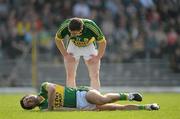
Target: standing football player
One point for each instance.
(84, 39)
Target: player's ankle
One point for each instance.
(123, 96)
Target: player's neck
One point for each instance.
(41, 99)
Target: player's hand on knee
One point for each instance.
(94, 59)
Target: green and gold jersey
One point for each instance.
(91, 33)
(64, 96)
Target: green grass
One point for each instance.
(169, 102)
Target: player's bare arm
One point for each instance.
(51, 95)
(101, 49)
(60, 45)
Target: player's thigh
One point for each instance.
(74, 50)
(88, 51)
(95, 97)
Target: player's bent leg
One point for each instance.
(94, 74)
(95, 97)
(71, 68)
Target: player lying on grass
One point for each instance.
(58, 97)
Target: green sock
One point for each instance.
(142, 107)
(123, 96)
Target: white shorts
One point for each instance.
(86, 52)
(82, 103)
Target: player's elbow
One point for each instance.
(51, 89)
(56, 39)
(102, 43)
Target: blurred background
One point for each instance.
(143, 42)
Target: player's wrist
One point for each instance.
(99, 56)
(65, 54)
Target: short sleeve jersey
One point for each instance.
(64, 96)
(91, 33)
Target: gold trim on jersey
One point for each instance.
(59, 97)
(83, 43)
(57, 38)
(102, 40)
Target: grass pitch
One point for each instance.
(169, 103)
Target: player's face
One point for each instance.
(30, 101)
(76, 33)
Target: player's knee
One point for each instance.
(94, 97)
(94, 75)
(102, 100)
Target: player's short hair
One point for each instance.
(75, 24)
(22, 104)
